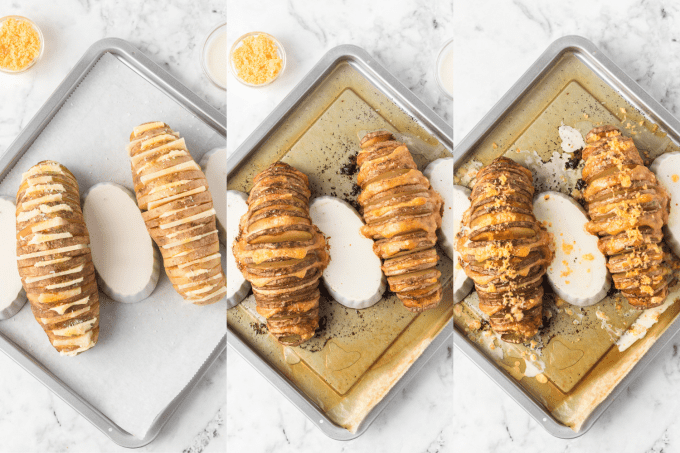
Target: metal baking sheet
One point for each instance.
(575, 84)
(381, 348)
(156, 76)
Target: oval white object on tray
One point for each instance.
(440, 174)
(237, 286)
(214, 165)
(462, 284)
(128, 265)
(353, 277)
(12, 294)
(667, 170)
(578, 273)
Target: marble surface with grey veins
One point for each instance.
(404, 36)
(493, 47)
(171, 33)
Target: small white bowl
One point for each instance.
(221, 28)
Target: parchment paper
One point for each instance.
(147, 352)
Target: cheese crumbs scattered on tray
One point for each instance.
(19, 44)
(257, 60)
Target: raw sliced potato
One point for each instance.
(440, 174)
(12, 294)
(237, 286)
(462, 284)
(578, 273)
(128, 265)
(214, 164)
(54, 258)
(353, 277)
(178, 210)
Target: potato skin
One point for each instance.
(54, 259)
(282, 254)
(628, 208)
(177, 209)
(402, 214)
(505, 250)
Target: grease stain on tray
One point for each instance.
(338, 359)
(562, 356)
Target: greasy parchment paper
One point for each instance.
(356, 356)
(147, 352)
(574, 362)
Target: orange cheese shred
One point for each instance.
(257, 61)
(19, 44)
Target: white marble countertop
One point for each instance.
(171, 33)
(404, 36)
(493, 47)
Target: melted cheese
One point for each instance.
(76, 330)
(50, 262)
(53, 252)
(223, 289)
(43, 168)
(61, 309)
(200, 260)
(155, 204)
(65, 284)
(66, 317)
(50, 298)
(168, 186)
(186, 241)
(48, 224)
(39, 201)
(41, 238)
(201, 215)
(190, 165)
(75, 270)
(45, 188)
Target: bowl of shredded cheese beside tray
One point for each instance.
(257, 59)
(21, 44)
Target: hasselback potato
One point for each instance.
(402, 214)
(282, 254)
(178, 211)
(627, 209)
(504, 250)
(54, 259)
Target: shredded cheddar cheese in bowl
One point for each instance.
(21, 44)
(257, 59)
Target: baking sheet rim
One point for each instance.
(611, 74)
